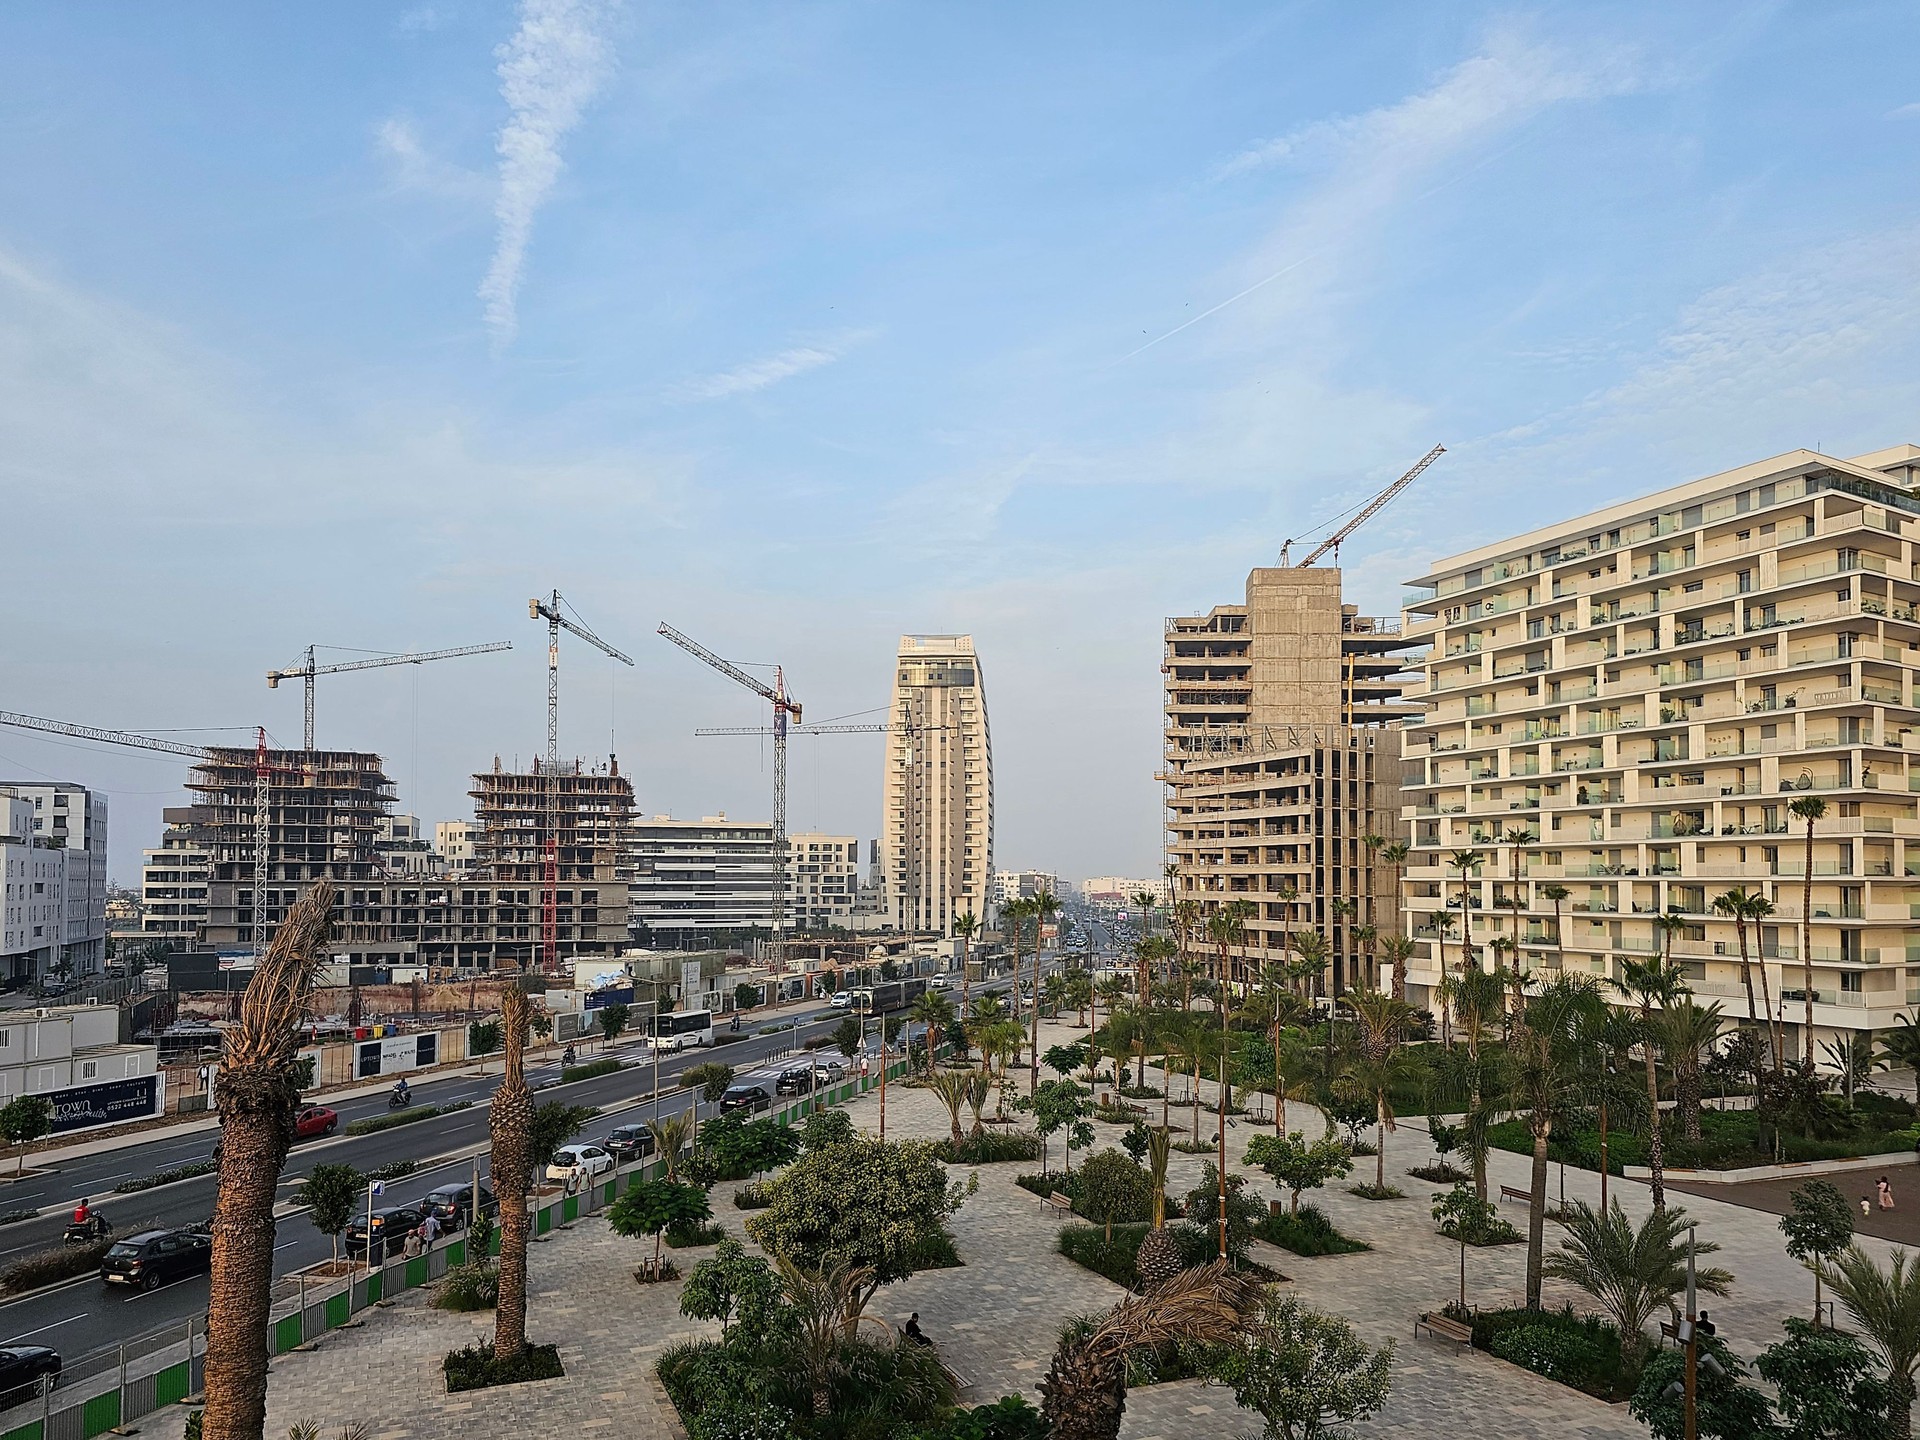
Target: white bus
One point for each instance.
(683, 1030)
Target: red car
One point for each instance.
(315, 1120)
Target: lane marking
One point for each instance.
(170, 1285)
(54, 1326)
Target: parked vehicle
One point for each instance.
(391, 1226)
(627, 1143)
(23, 1364)
(751, 1096)
(795, 1080)
(579, 1163)
(315, 1120)
(452, 1205)
(828, 1072)
(157, 1257)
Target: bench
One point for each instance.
(1058, 1203)
(1441, 1328)
(1508, 1192)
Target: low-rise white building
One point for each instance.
(72, 1055)
(55, 916)
(453, 842)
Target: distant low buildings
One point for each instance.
(1024, 885)
(72, 1056)
(710, 882)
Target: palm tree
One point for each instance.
(825, 1305)
(979, 1085)
(1045, 907)
(510, 1119)
(1685, 1030)
(1013, 914)
(1733, 905)
(1665, 928)
(1085, 1393)
(934, 1011)
(1885, 1304)
(1632, 1273)
(1159, 1255)
(1366, 937)
(1147, 946)
(1464, 863)
(964, 926)
(1544, 1061)
(671, 1136)
(1378, 1063)
(951, 1088)
(1396, 950)
(1556, 895)
(1227, 928)
(1809, 808)
(1395, 855)
(257, 1093)
(1648, 983)
(1312, 948)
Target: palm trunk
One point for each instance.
(1380, 1146)
(510, 1117)
(1806, 946)
(1537, 1213)
(1686, 1088)
(1746, 967)
(1656, 1145)
(1399, 964)
(1776, 1042)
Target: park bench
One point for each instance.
(1441, 1328)
(1509, 1192)
(1058, 1203)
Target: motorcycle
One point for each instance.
(90, 1231)
(567, 1056)
(399, 1099)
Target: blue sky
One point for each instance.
(803, 325)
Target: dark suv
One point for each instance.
(157, 1257)
(749, 1097)
(452, 1205)
(627, 1143)
(795, 1080)
(391, 1227)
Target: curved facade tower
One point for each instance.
(938, 844)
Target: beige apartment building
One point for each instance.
(938, 837)
(1626, 704)
(1280, 763)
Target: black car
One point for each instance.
(23, 1364)
(452, 1205)
(157, 1257)
(627, 1143)
(795, 1080)
(391, 1226)
(750, 1097)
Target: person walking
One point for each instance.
(1885, 1192)
(430, 1229)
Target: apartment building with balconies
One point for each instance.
(1628, 703)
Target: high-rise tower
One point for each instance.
(938, 844)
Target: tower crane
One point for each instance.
(306, 670)
(549, 611)
(263, 771)
(1367, 512)
(785, 707)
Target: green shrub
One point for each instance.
(468, 1287)
(1308, 1232)
(412, 1115)
(1569, 1356)
(592, 1070)
(936, 1252)
(44, 1267)
(393, 1170)
(684, 1237)
(1592, 1355)
(166, 1177)
(474, 1368)
(1087, 1246)
(755, 1195)
(992, 1147)
(1011, 1417)
(1377, 1192)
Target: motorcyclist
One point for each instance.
(401, 1091)
(567, 1056)
(83, 1213)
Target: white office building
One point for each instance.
(55, 905)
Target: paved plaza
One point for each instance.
(995, 1318)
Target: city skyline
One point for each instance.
(831, 326)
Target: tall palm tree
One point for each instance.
(1733, 905)
(1373, 845)
(257, 1093)
(1464, 863)
(1556, 896)
(1184, 915)
(1227, 928)
(934, 1011)
(1378, 1063)
(1885, 1304)
(1314, 952)
(1665, 928)
(1045, 907)
(1013, 914)
(1809, 808)
(1649, 983)
(1366, 937)
(1544, 1061)
(1395, 854)
(964, 926)
(1686, 1029)
(1084, 1395)
(1632, 1273)
(1396, 950)
(510, 1118)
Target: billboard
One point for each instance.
(85, 1106)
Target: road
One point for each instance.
(85, 1315)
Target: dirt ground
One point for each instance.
(1900, 1224)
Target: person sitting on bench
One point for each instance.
(913, 1331)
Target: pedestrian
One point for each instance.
(1866, 1207)
(1886, 1193)
(430, 1229)
(414, 1246)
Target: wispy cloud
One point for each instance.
(415, 168)
(419, 19)
(771, 370)
(549, 71)
(1903, 112)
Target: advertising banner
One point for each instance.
(88, 1105)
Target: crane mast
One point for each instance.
(549, 611)
(1368, 511)
(306, 670)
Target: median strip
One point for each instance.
(412, 1115)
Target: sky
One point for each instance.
(804, 325)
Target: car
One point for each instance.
(749, 1096)
(579, 1162)
(23, 1364)
(157, 1257)
(629, 1142)
(795, 1080)
(315, 1120)
(829, 1072)
(391, 1226)
(938, 982)
(452, 1205)
(841, 999)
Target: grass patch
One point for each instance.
(474, 1368)
(166, 1177)
(1140, 1092)
(1189, 1147)
(45, 1267)
(688, 1237)
(592, 1070)
(1377, 1192)
(991, 1147)
(1309, 1232)
(468, 1287)
(412, 1115)
(1730, 1139)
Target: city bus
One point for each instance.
(683, 1030)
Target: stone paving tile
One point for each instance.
(996, 1318)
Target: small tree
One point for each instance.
(23, 1120)
(732, 1287)
(1059, 1105)
(711, 1079)
(1291, 1161)
(613, 1020)
(850, 1036)
(1826, 1385)
(1724, 1408)
(1818, 1227)
(1137, 1141)
(554, 1124)
(539, 1022)
(1351, 1113)
(1063, 1060)
(330, 1193)
(483, 1039)
(1306, 1375)
(1112, 1187)
(746, 996)
(1243, 1210)
(654, 1206)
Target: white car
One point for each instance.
(579, 1163)
(841, 1000)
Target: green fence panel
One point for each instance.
(286, 1333)
(171, 1385)
(542, 1221)
(416, 1271)
(101, 1413)
(376, 1286)
(339, 1310)
(457, 1253)
(570, 1207)
(493, 1245)
(28, 1431)
(612, 1189)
